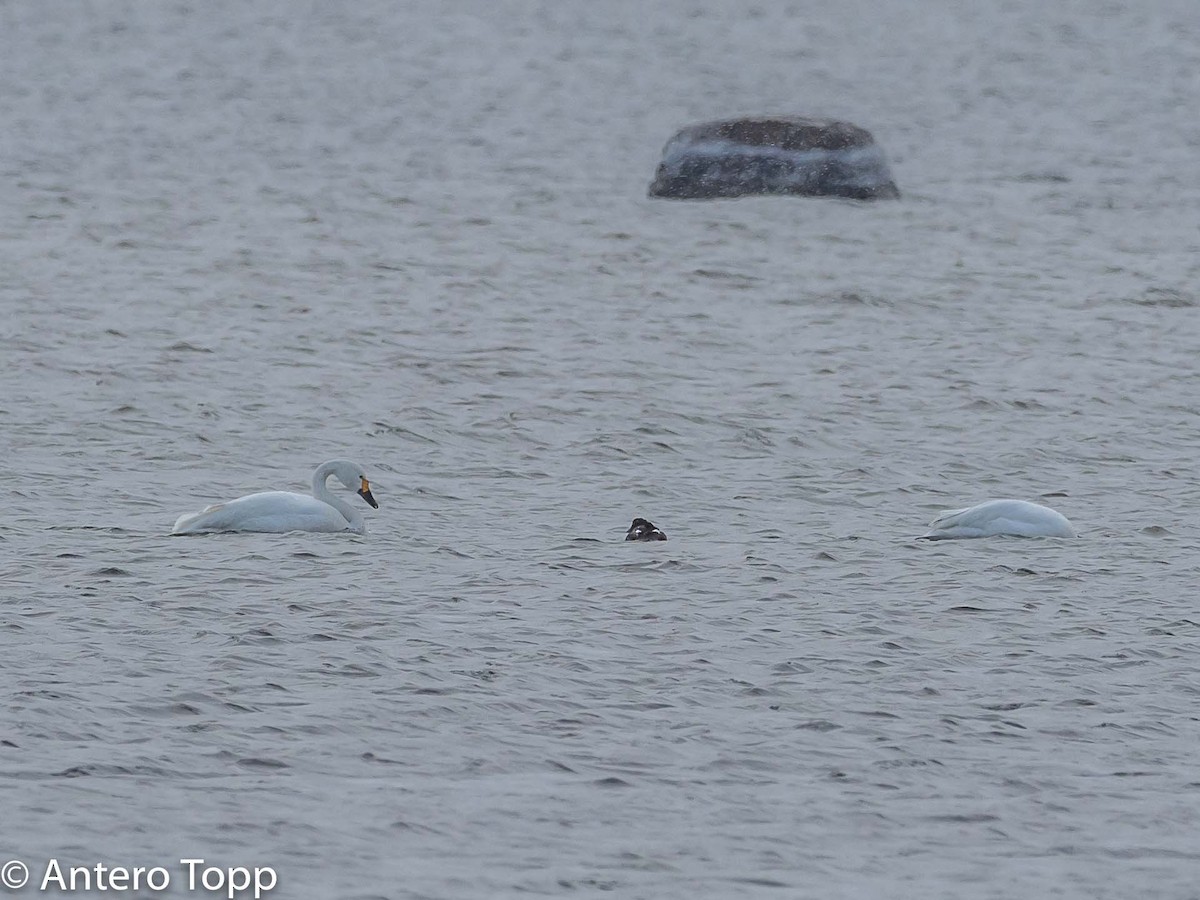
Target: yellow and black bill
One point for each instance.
(365, 493)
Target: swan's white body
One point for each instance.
(997, 517)
(281, 511)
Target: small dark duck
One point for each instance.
(645, 530)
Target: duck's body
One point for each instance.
(1000, 517)
(281, 511)
(645, 530)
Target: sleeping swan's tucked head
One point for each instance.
(281, 511)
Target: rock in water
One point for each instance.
(738, 157)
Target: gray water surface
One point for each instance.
(240, 239)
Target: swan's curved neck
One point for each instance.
(322, 493)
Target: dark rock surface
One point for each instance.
(740, 157)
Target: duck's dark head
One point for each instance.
(644, 530)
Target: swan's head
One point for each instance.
(353, 477)
(645, 530)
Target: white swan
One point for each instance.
(996, 517)
(280, 511)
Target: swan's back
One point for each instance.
(271, 511)
(1000, 517)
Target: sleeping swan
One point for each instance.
(995, 517)
(280, 511)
